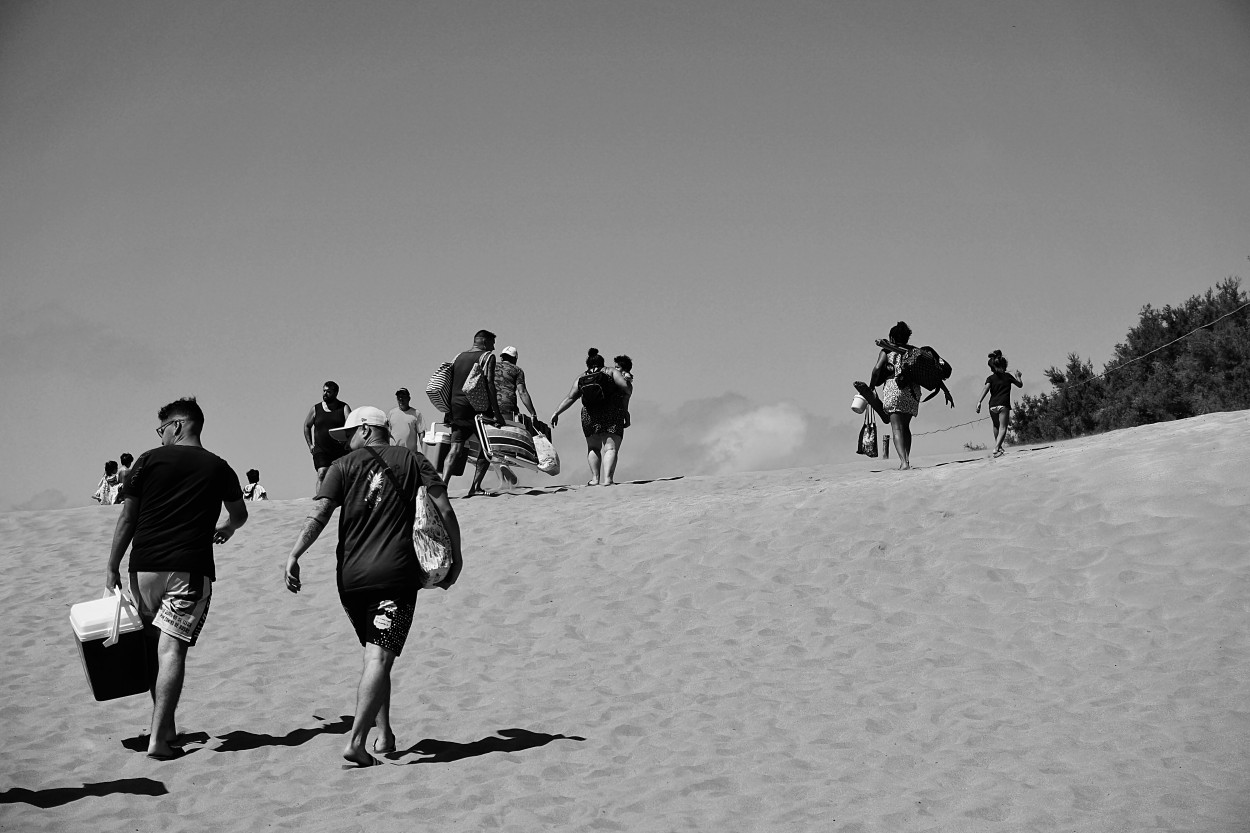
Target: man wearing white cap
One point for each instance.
(378, 573)
(510, 386)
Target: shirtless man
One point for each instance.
(326, 415)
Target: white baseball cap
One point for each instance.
(508, 351)
(366, 415)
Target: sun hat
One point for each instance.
(508, 351)
(366, 415)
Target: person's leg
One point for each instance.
(479, 474)
(321, 473)
(896, 431)
(1001, 420)
(594, 446)
(907, 437)
(453, 450)
(372, 694)
(611, 446)
(385, 741)
(171, 654)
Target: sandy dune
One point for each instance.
(1053, 641)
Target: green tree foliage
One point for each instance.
(1177, 362)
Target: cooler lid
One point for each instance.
(94, 619)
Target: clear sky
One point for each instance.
(241, 200)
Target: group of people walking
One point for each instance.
(604, 394)
(901, 402)
(112, 483)
(169, 522)
(371, 468)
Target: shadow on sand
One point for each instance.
(241, 741)
(59, 796)
(430, 751)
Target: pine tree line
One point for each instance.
(1177, 362)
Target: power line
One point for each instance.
(1108, 370)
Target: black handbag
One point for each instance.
(868, 436)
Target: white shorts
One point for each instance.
(177, 603)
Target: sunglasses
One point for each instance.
(160, 432)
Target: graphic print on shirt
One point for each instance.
(373, 492)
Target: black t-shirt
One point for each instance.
(375, 549)
(180, 489)
(462, 411)
(1000, 389)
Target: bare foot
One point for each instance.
(592, 483)
(384, 744)
(165, 751)
(359, 757)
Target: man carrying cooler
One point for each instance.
(174, 495)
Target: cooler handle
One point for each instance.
(115, 631)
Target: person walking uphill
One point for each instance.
(378, 572)
(603, 394)
(169, 521)
(900, 401)
(998, 386)
(330, 412)
(463, 411)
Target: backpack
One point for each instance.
(922, 366)
(597, 389)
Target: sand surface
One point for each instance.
(1052, 641)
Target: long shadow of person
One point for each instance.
(59, 796)
(239, 741)
(430, 751)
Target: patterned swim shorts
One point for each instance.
(380, 619)
(177, 603)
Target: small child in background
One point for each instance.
(126, 460)
(107, 489)
(253, 490)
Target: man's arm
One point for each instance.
(123, 534)
(523, 394)
(488, 368)
(316, 521)
(236, 516)
(308, 427)
(438, 494)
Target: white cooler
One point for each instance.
(118, 670)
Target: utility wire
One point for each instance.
(1108, 370)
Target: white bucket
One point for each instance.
(859, 404)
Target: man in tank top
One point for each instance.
(326, 415)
